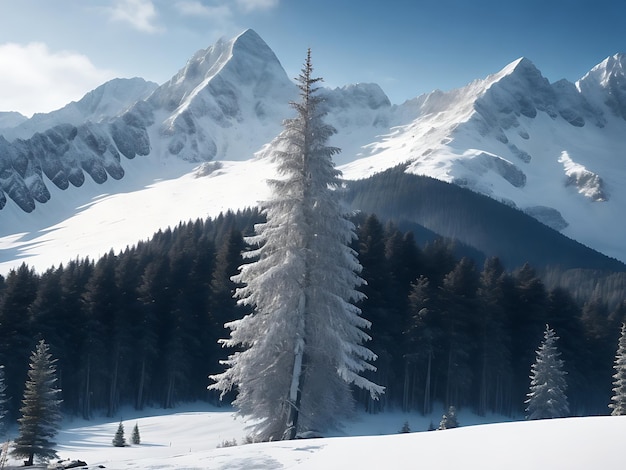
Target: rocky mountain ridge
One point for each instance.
(552, 150)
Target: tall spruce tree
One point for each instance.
(618, 400)
(547, 398)
(302, 346)
(40, 409)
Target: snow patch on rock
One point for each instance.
(588, 183)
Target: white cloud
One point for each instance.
(140, 14)
(251, 5)
(222, 9)
(196, 8)
(35, 79)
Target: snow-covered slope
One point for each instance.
(153, 195)
(201, 438)
(552, 150)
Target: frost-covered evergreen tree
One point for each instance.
(547, 398)
(302, 346)
(40, 409)
(618, 399)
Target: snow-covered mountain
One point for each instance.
(109, 100)
(553, 150)
(223, 104)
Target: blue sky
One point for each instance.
(52, 52)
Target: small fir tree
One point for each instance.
(119, 440)
(448, 420)
(547, 398)
(136, 438)
(618, 399)
(40, 409)
(405, 427)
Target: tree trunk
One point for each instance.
(405, 391)
(295, 391)
(482, 398)
(427, 403)
(142, 379)
(87, 392)
(170, 391)
(113, 388)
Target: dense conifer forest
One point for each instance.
(140, 327)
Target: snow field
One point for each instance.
(189, 438)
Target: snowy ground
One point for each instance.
(191, 437)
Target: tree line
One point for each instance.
(137, 327)
(141, 327)
(448, 330)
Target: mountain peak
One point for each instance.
(243, 54)
(517, 89)
(219, 88)
(251, 49)
(605, 84)
(523, 63)
(612, 66)
(522, 68)
(249, 37)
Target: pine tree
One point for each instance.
(119, 440)
(40, 409)
(547, 398)
(618, 399)
(303, 344)
(136, 438)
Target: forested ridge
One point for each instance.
(476, 220)
(141, 326)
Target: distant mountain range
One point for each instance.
(552, 150)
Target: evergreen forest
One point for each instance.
(141, 327)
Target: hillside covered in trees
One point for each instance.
(140, 327)
(491, 227)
